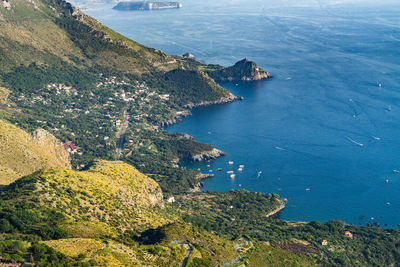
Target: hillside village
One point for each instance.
(66, 107)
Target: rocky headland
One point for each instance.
(212, 154)
(146, 5)
(230, 98)
(243, 70)
(201, 177)
(277, 210)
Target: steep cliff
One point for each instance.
(22, 154)
(243, 70)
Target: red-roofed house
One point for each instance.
(348, 234)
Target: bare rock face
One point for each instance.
(22, 153)
(58, 156)
(213, 154)
(243, 70)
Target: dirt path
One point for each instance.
(121, 134)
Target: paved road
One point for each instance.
(188, 248)
(189, 251)
(95, 253)
(121, 134)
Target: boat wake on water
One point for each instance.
(355, 142)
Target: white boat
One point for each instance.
(241, 166)
(208, 166)
(240, 169)
(380, 85)
(230, 162)
(232, 176)
(210, 170)
(259, 173)
(229, 172)
(308, 189)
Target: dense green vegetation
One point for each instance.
(33, 77)
(236, 213)
(230, 214)
(264, 255)
(179, 83)
(25, 214)
(211, 250)
(18, 251)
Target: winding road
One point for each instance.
(121, 134)
(96, 252)
(189, 251)
(231, 263)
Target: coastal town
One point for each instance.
(96, 114)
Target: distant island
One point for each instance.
(146, 5)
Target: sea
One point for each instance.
(324, 132)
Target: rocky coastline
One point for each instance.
(243, 70)
(147, 5)
(277, 210)
(200, 178)
(230, 98)
(206, 155)
(178, 118)
(180, 115)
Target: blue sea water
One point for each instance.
(322, 132)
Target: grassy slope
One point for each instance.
(21, 153)
(113, 193)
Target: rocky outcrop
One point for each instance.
(178, 118)
(22, 153)
(277, 210)
(213, 154)
(243, 70)
(223, 100)
(146, 5)
(201, 177)
(188, 56)
(53, 148)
